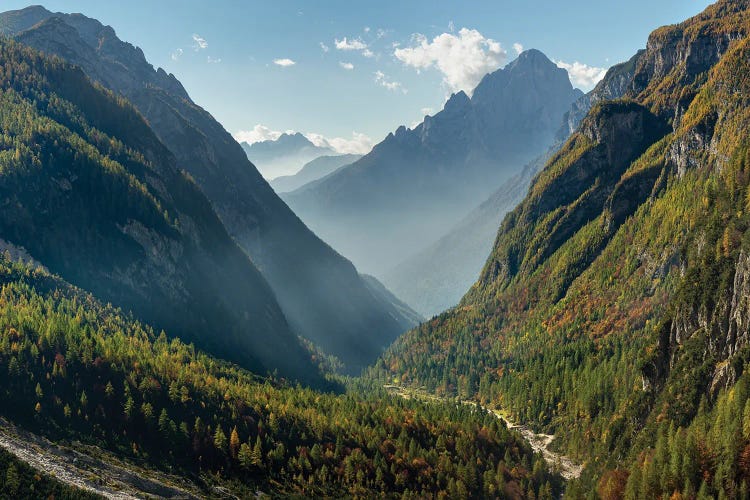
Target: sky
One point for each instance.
(348, 72)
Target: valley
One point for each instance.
(427, 261)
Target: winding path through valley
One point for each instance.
(539, 442)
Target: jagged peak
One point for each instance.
(533, 55)
(531, 58)
(34, 9)
(457, 100)
(529, 62)
(17, 20)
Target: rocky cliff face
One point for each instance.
(321, 294)
(615, 84)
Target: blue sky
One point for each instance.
(395, 59)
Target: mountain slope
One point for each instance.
(89, 191)
(80, 371)
(320, 293)
(312, 171)
(613, 308)
(416, 183)
(283, 156)
(436, 278)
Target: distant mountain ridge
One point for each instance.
(436, 278)
(312, 171)
(283, 156)
(321, 294)
(416, 184)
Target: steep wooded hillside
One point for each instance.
(612, 310)
(89, 191)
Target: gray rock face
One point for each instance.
(321, 294)
(417, 184)
(615, 84)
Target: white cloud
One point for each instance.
(346, 65)
(284, 63)
(426, 111)
(259, 133)
(200, 42)
(324, 47)
(582, 75)
(211, 60)
(358, 144)
(463, 60)
(382, 80)
(367, 29)
(354, 44)
(176, 55)
(451, 26)
(518, 47)
(380, 33)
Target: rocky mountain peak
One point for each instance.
(17, 20)
(458, 100)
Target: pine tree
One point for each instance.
(12, 480)
(257, 455)
(220, 440)
(109, 390)
(128, 408)
(164, 422)
(234, 443)
(245, 456)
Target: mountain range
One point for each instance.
(321, 294)
(283, 156)
(312, 171)
(417, 184)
